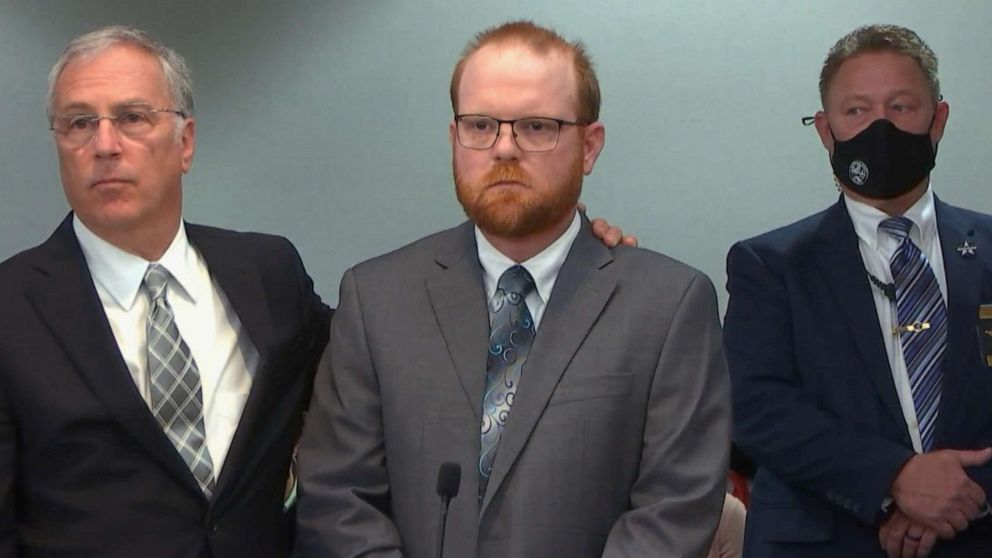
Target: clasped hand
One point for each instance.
(934, 498)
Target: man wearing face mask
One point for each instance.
(859, 338)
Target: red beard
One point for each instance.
(518, 212)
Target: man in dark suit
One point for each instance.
(152, 373)
(857, 337)
(585, 404)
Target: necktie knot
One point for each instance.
(516, 282)
(897, 226)
(156, 279)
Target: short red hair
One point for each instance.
(541, 40)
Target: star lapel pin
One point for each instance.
(967, 249)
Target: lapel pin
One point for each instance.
(967, 249)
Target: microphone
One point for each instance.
(449, 477)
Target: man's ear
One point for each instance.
(593, 139)
(940, 115)
(823, 130)
(188, 141)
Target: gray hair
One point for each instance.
(881, 38)
(177, 74)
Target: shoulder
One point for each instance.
(238, 240)
(649, 280)
(796, 235)
(23, 261)
(642, 265)
(230, 254)
(268, 253)
(983, 221)
(423, 255)
(61, 246)
(19, 271)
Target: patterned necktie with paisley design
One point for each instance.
(511, 334)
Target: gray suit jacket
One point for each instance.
(616, 445)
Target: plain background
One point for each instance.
(326, 122)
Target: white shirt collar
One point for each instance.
(543, 267)
(866, 219)
(120, 273)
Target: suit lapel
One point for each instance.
(840, 270)
(458, 298)
(963, 277)
(240, 282)
(66, 300)
(580, 294)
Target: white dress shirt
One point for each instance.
(877, 248)
(225, 357)
(543, 267)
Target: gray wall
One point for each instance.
(327, 121)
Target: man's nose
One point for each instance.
(506, 144)
(106, 140)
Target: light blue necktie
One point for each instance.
(176, 395)
(922, 325)
(511, 334)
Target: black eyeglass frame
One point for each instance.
(513, 130)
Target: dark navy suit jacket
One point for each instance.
(814, 400)
(86, 471)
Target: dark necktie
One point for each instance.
(922, 327)
(511, 334)
(176, 396)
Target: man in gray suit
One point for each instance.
(616, 441)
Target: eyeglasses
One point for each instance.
(533, 133)
(133, 122)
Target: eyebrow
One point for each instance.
(866, 97)
(84, 107)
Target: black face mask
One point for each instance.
(883, 162)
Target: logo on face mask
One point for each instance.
(858, 172)
(897, 160)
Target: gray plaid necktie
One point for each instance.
(511, 334)
(176, 396)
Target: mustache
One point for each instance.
(507, 172)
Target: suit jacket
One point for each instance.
(85, 470)
(617, 441)
(814, 400)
